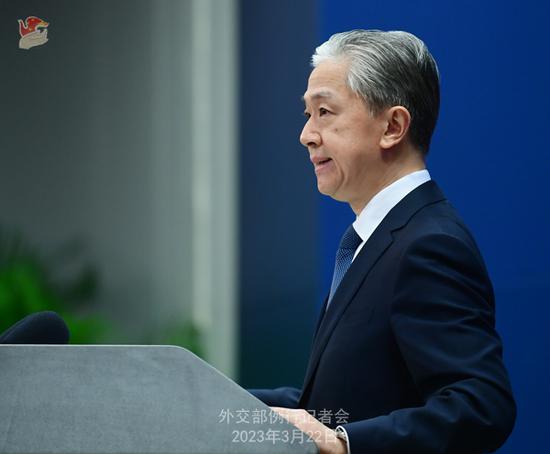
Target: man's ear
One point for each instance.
(398, 121)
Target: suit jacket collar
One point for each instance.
(426, 194)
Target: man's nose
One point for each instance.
(310, 136)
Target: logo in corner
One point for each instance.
(33, 32)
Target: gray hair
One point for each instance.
(389, 69)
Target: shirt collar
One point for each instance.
(381, 204)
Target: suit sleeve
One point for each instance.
(443, 322)
(280, 397)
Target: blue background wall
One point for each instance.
(489, 154)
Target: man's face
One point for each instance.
(341, 135)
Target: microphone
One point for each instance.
(39, 328)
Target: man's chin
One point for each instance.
(329, 191)
(323, 189)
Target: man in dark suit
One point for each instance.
(405, 356)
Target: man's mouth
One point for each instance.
(321, 164)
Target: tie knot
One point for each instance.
(350, 239)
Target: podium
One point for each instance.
(71, 399)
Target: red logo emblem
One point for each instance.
(33, 32)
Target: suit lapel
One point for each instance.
(373, 249)
(320, 318)
(358, 271)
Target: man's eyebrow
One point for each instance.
(319, 95)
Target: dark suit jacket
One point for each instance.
(408, 345)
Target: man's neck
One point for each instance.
(389, 176)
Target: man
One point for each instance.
(406, 344)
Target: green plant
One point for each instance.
(31, 282)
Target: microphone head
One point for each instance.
(39, 328)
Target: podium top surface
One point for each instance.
(131, 399)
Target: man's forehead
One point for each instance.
(328, 80)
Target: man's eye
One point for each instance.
(322, 111)
(307, 115)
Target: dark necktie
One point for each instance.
(348, 244)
